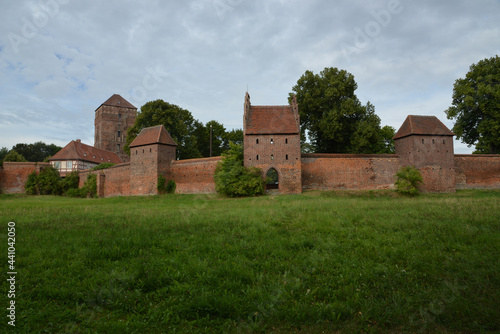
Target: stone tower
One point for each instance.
(151, 154)
(112, 120)
(426, 143)
(271, 142)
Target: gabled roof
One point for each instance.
(76, 150)
(271, 120)
(422, 125)
(153, 135)
(117, 101)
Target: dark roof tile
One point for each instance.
(153, 135)
(422, 125)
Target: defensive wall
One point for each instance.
(348, 171)
(319, 172)
(13, 175)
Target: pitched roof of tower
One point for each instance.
(76, 150)
(153, 135)
(271, 120)
(422, 125)
(117, 101)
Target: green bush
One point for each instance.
(71, 181)
(407, 180)
(171, 186)
(47, 182)
(235, 180)
(103, 165)
(161, 187)
(89, 188)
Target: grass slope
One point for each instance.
(319, 262)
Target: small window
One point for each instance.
(272, 157)
(118, 147)
(84, 154)
(135, 152)
(93, 157)
(422, 141)
(119, 133)
(433, 141)
(257, 141)
(444, 141)
(150, 150)
(286, 140)
(257, 157)
(142, 150)
(102, 158)
(286, 157)
(272, 141)
(119, 116)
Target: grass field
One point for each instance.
(333, 262)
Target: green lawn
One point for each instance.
(327, 262)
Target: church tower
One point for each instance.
(112, 120)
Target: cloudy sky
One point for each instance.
(60, 59)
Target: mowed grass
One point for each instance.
(332, 262)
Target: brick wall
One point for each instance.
(194, 176)
(113, 181)
(348, 171)
(475, 171)
(15, 174)
(278, 151)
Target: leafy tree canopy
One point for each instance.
(36, 152)
(14, 156)
(476, 106)
(333, 116)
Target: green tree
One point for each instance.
(37, 152)
(179, 123)
(333, 116)
(476, 106)
(219, 138)
(407, 180)
(235, 180)
(235, 136)
(13, 156)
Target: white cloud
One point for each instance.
(53, 80)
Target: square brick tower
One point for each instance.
(151, 154)
(112, 120)
(271, 142)
(426, 143)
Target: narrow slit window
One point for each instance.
(257, 141)
(272, 141)
(422, 141)
(272, 157)
(257, 158)
(286, 140)
(286, 157)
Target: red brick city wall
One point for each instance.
(15, 175)
(348, 171)
(194, 176)
(475, 171)
(115, 181)
(144, 170)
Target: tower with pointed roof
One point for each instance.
(271, 142)
(151, 154)
(426, 143)
(112, 120)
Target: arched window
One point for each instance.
(257, 157)
(286, 157)
(272, 141)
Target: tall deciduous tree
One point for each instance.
(333, 116)
(476, 106)
(178, 121)
(13, 156)
(36, 152)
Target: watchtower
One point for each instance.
(151, 154)
(112, 120)
(271, 142)
(426, 143)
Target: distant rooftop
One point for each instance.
(76, 150)
(117, 101)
